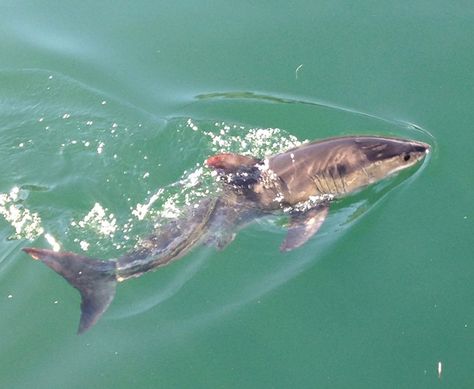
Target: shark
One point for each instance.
(301, 182)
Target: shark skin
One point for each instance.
(302, 182)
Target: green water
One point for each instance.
(105, 105)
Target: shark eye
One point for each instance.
(406, 157)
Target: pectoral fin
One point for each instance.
(303, 225)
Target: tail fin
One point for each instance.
(95, 280)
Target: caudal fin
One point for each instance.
(94, 279)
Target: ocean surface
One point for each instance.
(108, 111)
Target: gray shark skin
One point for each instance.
(300, 182)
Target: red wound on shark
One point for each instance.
(230, 162)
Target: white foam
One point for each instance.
(52, 241)
(141, 210)
(27, 224)
(99, 221)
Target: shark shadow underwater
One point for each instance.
(300, 182)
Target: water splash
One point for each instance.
(26, 224)
(259, 142)
(200, 182)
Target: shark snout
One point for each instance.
(422, 147)
(420, 150)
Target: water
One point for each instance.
(107, 112)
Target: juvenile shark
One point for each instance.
(300, 182)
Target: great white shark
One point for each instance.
(301, 182)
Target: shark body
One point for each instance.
(302, 182)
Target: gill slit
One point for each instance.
(333, 181)
(318, 183)
(365, 172)
(342, 180)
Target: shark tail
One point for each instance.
(94, 279)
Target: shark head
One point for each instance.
(386, 156)
(372, 159)
(340, 166)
